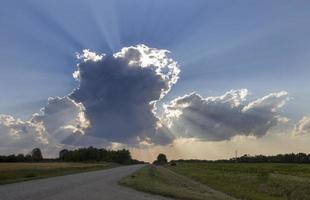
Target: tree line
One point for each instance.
(93, 154)
(34, 156)
(279, 158)
(90, 154)
(123, 156)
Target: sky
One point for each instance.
(192, 79)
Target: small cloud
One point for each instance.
(303, 126)
(87, 55)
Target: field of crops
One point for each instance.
(263, 181)
(14, 172)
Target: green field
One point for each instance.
(160, 180)
(252, 181)
(15, 172)
(191, 181)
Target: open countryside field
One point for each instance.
(162, 181)
(200, 180)
(15, 172)
(264, 181)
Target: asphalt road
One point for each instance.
(97, 185)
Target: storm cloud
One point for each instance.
(120, 92)
(222, 117)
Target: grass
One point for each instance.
(15, 172)
(252, 181)
(159, 180)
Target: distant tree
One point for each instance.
(36, 154)
(161, 159)
(63, 153)
(173, 163)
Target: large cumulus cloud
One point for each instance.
(115, 105)
(222, 117)
(120, 92)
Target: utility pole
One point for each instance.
(236, 155)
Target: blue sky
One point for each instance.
(260, 45)
(263, 46)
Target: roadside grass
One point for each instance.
(16, 172)
(265, 181)
(161, 181)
